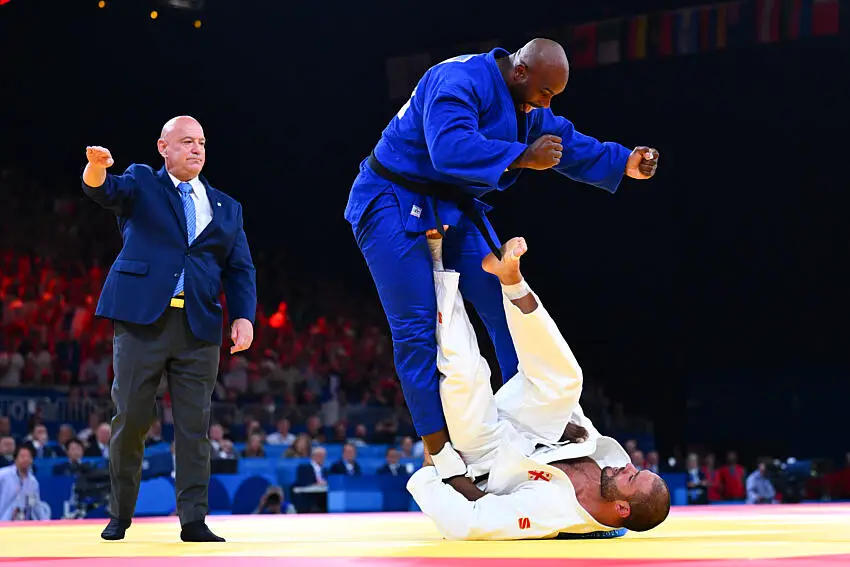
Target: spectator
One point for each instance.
(407, 448)
(712, 477)
(20, 497)
(38, 441)
(360, 435)
(759, 487)
(100, 446)
(638, 460)
(154, 434)
(731, 478)
(311, 475)
(393, 465)
(5, 427)
(302, 447)
(75, 465)
(630, 446)
(87, 435)
(348, 464)
(697, 483)
(314, 429)
(282, 436)
(339, 433)
(7, 451)
(66, 433)
(216, 434)
(254, 448)
(227, 451)
(653, 462)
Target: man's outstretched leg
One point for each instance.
(541, 398)
(467, 397)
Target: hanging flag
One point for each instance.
(767, 21)
(708, 26)
(582, 46)
(721, 18)
(686, 31)
(790, 18)
(608, 41)
(637, 37)
(738, 16)
(825, 17)
(663, 33)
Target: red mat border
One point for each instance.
(311, 561)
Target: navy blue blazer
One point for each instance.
(142, 279)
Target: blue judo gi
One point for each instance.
(459, 128)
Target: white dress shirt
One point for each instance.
(203, 209)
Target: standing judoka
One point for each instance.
(471, 126)
(530, 481)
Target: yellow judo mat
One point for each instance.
(792, 535)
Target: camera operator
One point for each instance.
(272, 502)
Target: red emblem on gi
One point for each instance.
(539, 475)
(524, 523)
(439, 317)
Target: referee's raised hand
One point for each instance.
(99, 157)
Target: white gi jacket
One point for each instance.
(511, 435)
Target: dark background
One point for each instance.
(712, 299)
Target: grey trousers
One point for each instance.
(140, 355)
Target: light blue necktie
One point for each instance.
(189, 211)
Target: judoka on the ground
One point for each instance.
(525, 481)
(471, 126)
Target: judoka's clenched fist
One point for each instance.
(99, 157)
(545, 152)
(642, 163)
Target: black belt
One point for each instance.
(441, 191)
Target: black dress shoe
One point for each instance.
(198, 531)
(115, 529)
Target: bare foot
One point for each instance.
(506, 269)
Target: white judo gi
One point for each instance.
(512, 435)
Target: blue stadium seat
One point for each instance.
(248, 494)
(219, 498)
(156, 498)
(257, 465)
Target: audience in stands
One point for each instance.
(74, 465)
(19, 490)
(393, 465)
(732, 478)
(712, 477)
(38, 442)
(302, 447)
(347, 465)
(282, 436)
(7, 451)
(696, 483)
(311, 475)
(759, 487)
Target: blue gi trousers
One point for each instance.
(402, 267)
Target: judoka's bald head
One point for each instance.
(536, 73)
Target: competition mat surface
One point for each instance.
(807, 535)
